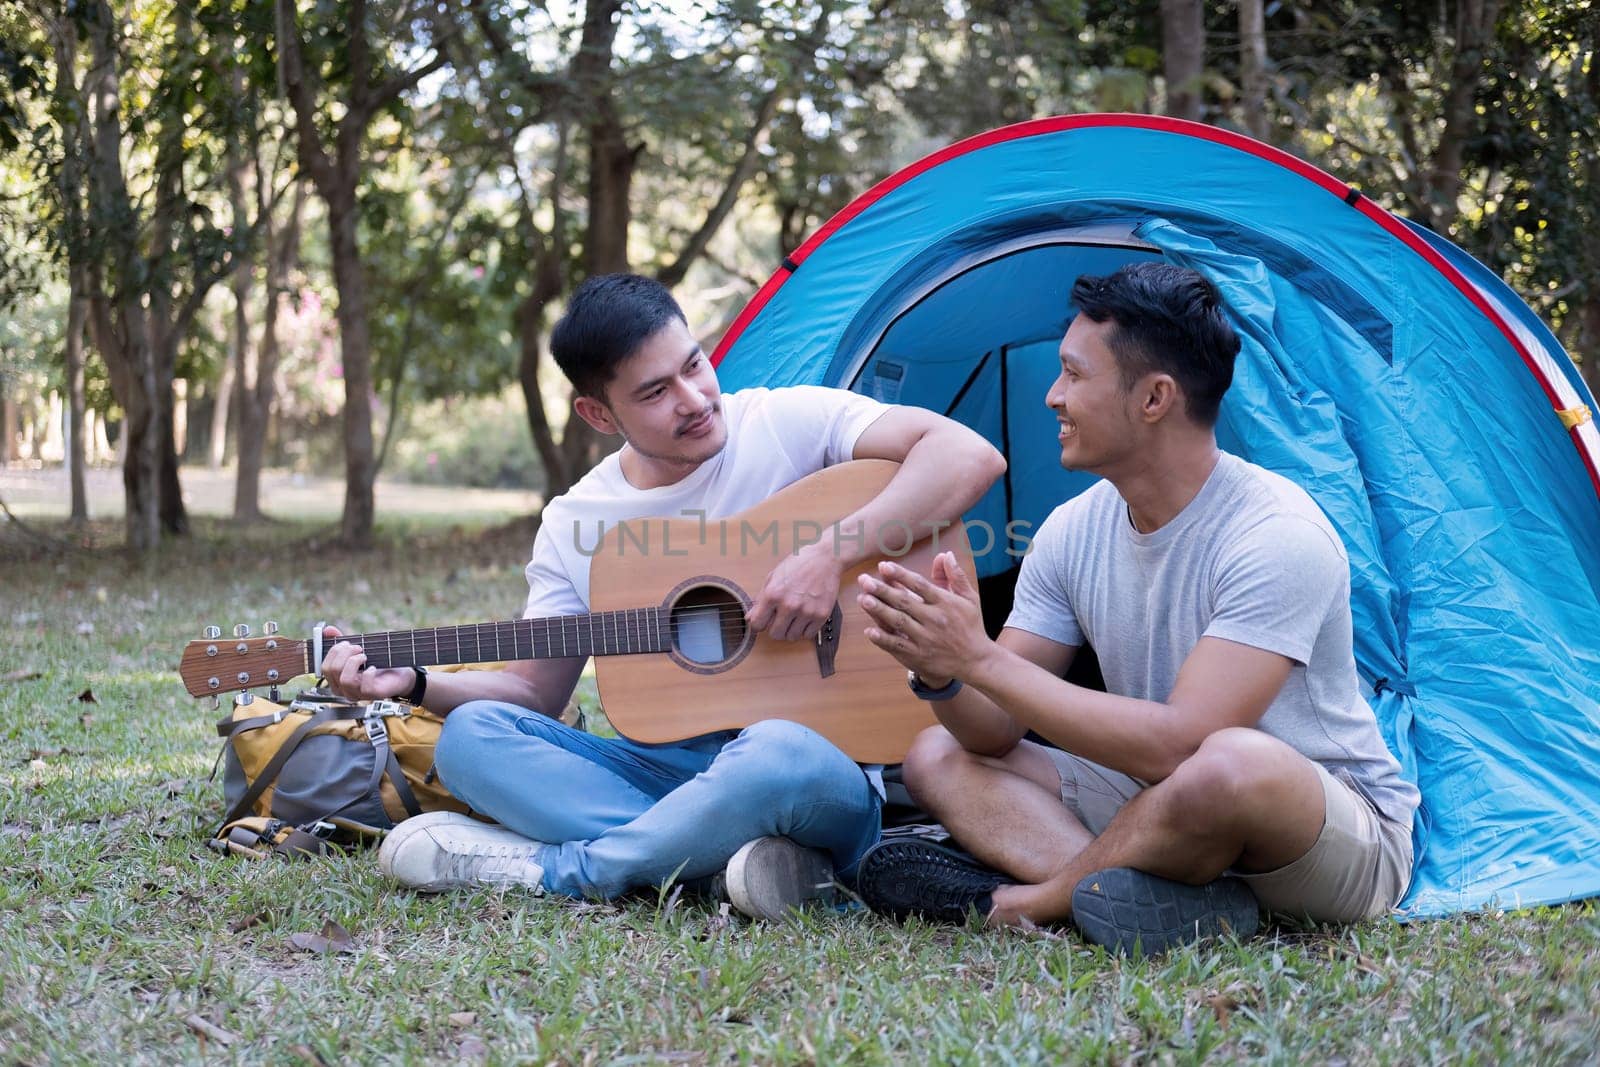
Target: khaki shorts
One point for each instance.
(1358, 869)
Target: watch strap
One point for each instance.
(927, 692)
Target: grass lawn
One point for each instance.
(123, 939)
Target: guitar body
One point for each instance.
(853, 693)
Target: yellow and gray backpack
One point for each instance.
(322, 772)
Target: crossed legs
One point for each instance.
(617, 815)
(1244, 801)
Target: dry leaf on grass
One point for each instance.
(334, 938)
(205, 1028)
(1222, 1006)
(240, 925)
(23, 675)
(463, 1018)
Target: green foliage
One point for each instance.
(23, 58)
(1539, 151)
(480, 442)
(440, 325)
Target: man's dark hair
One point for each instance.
(1169, 320)
(606, 321)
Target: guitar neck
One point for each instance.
(603, 633)
(226, 665)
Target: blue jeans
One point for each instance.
(619, 815)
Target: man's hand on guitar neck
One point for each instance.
(799, 595)
(344, 669)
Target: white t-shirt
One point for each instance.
(1251, 559)
(775, 438)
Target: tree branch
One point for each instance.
(719, 211)
(546, 91)
(1402, 115)
(313, 154)
(400, 83)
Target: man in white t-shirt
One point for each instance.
(1233, 760)
(775, 808)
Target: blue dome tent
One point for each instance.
(1423, 405)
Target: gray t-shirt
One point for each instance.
(1251, 559)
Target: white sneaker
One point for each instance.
(446, 850)
(771, 876)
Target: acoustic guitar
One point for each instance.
(674, 657)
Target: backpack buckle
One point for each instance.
(385, 709)
(377, 733)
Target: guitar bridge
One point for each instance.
(828, 641)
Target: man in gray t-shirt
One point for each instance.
(1232, 762)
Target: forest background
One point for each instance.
(332, 237)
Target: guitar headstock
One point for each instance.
(216, 664)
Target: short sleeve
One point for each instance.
(819, 426)
(1042, 603)
(1273, 590)
(550, 587)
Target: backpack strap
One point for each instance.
(297, 841)
(229, 726)
(272, 837)
(384, 759)
(397, 778)
(270, 772)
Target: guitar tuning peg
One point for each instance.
(216, 703)
(269, 628)
(241, 630)
(211, 633)
(244, 699)
(275, 695)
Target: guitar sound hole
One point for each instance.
(708, 625)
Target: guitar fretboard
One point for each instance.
(602, 633)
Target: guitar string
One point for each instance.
(629, 631)
(623, 630)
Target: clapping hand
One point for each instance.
(932, 626)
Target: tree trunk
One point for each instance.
(70, 116)
(1590, 367)
(77, 313)
(611, 159)
(128, 343)
(1253, 67)
(350, 277)
(1183, 53)
(611, 165)
(8, 425)
(258, 382)
(164, 353)
(337, 177)
(1474, 29)
(225, 397)
(530, 319)
(231, 384)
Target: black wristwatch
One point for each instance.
(944, 692)
(419, 688)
